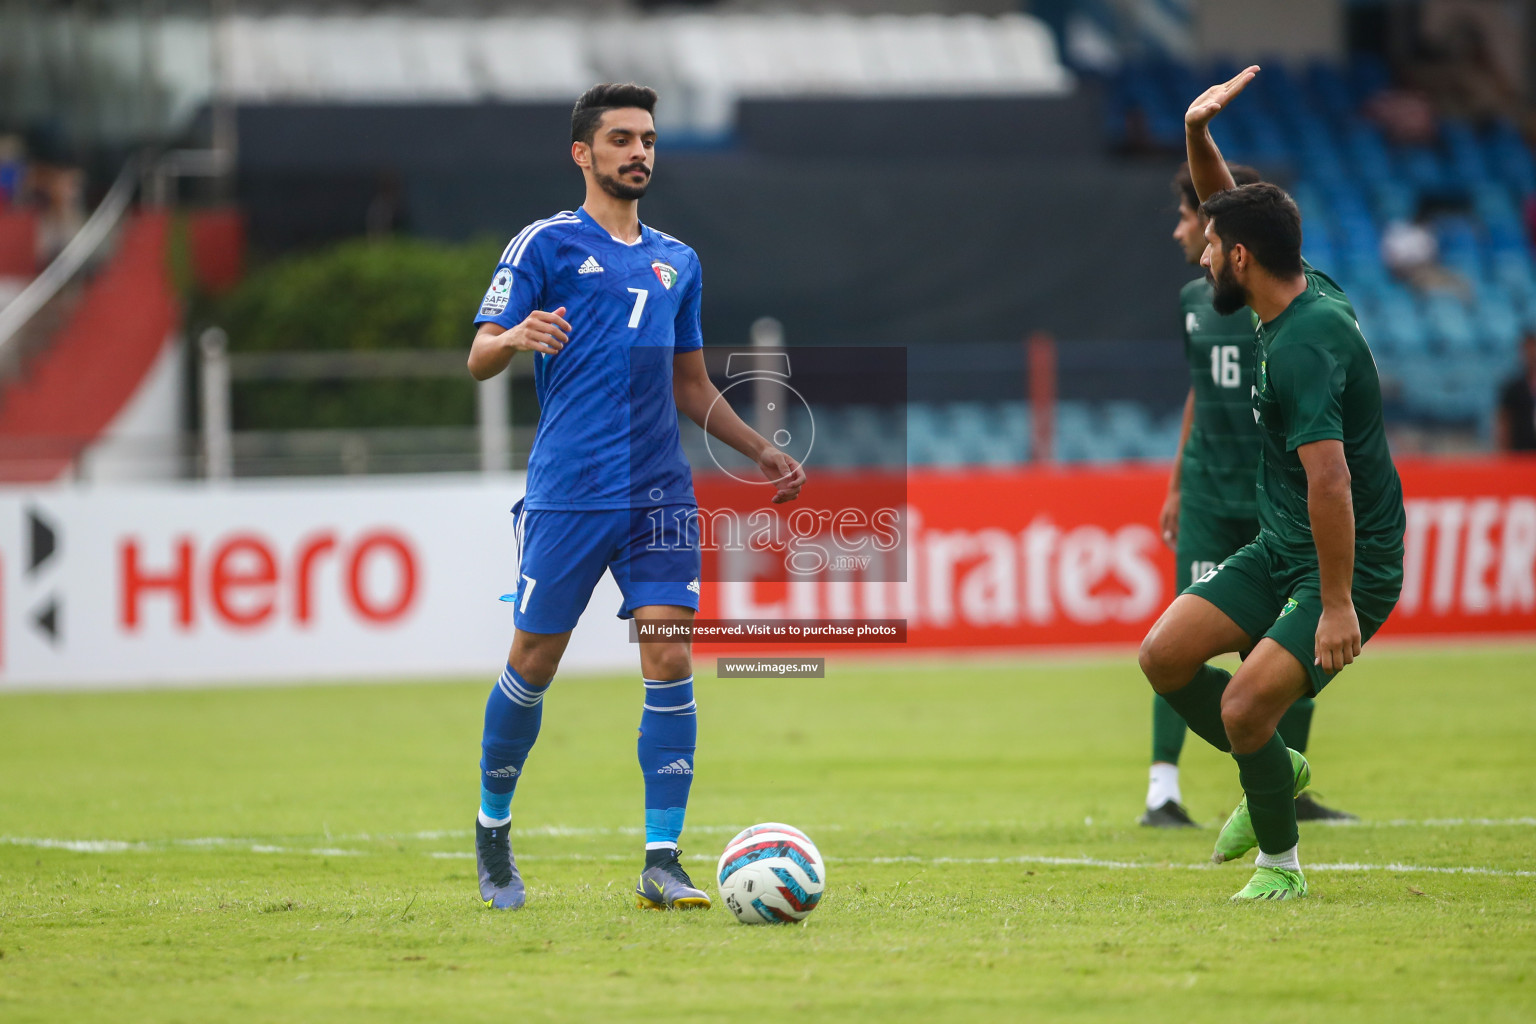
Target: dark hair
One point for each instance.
(1262, 219)
(600, 99)
(1184, 185)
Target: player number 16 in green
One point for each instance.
(1226, 365)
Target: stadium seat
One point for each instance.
(1076, 435)
(531, 58)
(438, 54)
(1015, 425)
(1450, 323)
(1130, 429)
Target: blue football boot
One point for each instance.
(667, 887)
(501, 887)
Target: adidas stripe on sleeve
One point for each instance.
(517, 286)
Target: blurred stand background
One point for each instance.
(309, 200)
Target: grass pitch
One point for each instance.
(304, 854)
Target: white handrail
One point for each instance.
(14, 316)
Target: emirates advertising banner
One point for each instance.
(1033, 557)
(404, 578)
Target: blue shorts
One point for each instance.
(562, 555)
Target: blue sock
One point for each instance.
(669, 730)
(512, 716)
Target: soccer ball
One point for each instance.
(771, 873)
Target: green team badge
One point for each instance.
(666, 273)
(1290, 606)
(1263, 375)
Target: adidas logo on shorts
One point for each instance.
(590, 267)
(694, 586)
(678, 767)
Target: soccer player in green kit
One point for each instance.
(1210, 511)
(1327, 566)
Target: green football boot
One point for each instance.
(1237, 837)
(1273, 884)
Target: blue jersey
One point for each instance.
(607, 435)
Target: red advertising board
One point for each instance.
(1071, 556)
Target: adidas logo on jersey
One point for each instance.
(590, 267)
(509, 772)
(694, 586)
(678, 767)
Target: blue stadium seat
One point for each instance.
(1492, 203)
(871, 435)
(1328, 88)
(1499, 325)
(1394, 199)
(1369, 153)
(1318, 251)
(1450, 323)
(1077, 433)
(975, 427)
(1423, 168)
(926, 438)
(1128, 425)
(1015, 425)
(1309, 198)
(1467, 160)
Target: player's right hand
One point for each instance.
(1211, 102)
(540, 332)
(1338, 638)
(1168, 521)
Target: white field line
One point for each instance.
(1084, 862)
(573, 831)
(633, 830)
(120, 846)
(563, 831)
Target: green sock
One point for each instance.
(1270, 782)
(1199, 704)
(1167, 731)
(1296, 724)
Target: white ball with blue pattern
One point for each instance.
(771, 874)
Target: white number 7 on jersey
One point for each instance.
(634, 315)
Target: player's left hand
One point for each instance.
(1168, 521)
(1211, 102)
(1338, 638)
(784, 473)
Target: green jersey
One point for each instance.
(1219, 470)
(1317, 381)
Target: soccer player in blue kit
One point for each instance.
(610, 310)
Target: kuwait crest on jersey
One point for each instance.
(666, 273)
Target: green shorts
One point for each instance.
(1205, 541)
(1269, 595)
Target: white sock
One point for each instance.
(1287, 860)
(1163, 785)
(488, 823)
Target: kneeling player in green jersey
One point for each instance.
(1210, 511)
(1327, 566)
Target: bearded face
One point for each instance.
(1230, 296)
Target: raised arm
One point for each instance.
(1207, 169)
(699, 400)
